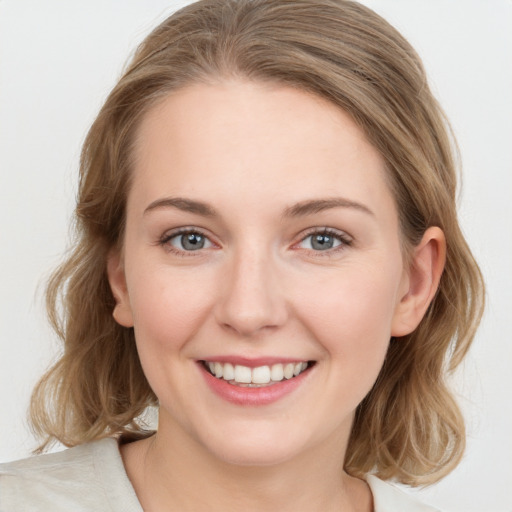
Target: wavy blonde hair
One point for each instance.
(409, 426)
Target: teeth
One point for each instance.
(277, 373)
(288, 371)
(242, 374)
(260, 375)
(228, 372)
(218, 370)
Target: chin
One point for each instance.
(256, 447)
(254, 455)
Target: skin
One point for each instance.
(252, 152)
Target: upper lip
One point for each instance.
(253, 362)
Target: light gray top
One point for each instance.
(91, 477)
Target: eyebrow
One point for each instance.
(186, 205)
(319, 205)
(300, 209)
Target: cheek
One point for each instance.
(350, 314)
(168, 307)
(351, 320)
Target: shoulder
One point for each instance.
(389, 498)
(87, 477)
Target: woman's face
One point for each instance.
(261, 239)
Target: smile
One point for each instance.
(248, 383)
(241, 375)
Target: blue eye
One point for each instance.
(323, 241)
(189, 241)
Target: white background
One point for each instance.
(58, 60)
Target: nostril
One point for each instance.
(247, 307)
(249, 327)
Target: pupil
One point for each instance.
(322, 242)
(192, 241)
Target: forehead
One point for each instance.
(246, 142)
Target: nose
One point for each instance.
(251, 300)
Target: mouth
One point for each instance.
(256, 377)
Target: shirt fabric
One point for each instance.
(91, 477)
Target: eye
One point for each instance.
(187, 241)
(324, 240)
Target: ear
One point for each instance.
(420, 282)
(116, 277)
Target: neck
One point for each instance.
(171, 471)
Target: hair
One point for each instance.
(409, 426)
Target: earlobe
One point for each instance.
(423, 276)
(116, 277)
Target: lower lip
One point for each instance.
(264, 395)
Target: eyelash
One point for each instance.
(345, 240)
(167, 237)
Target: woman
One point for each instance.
(268, 251)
